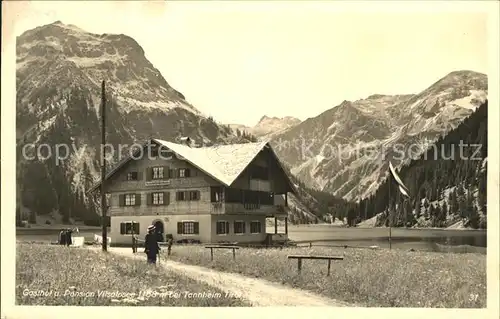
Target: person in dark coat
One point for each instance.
(134, 243)
(62, 237)
(69, 240)
(151, 247)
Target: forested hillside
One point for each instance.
(319, 203)
(447, 183)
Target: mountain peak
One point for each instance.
(118, 59)
(287, 119)
(265, 117)
(465, 73)
(460, 80)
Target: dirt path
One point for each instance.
(256, 291)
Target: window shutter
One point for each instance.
(122, 228)
(196, 228)
(179, 228)
(136, 228)
(243, 224)
(149, 199)
(227, 227)
(187, 172)
(149, 173)
(166, 198)
(122, 200)
(138, 199)
(166, 172)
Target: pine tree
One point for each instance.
(462, 202)
(474, 217)
(482, 192)
(436, 218)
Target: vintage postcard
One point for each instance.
(172, 155)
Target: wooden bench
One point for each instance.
(212, 247)
(300, 257)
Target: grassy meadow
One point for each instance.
(366, 277)
(57, 275)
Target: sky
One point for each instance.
(238, 61)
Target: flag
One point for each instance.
(402, 188)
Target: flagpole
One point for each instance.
(390, 220)
(404, 190)
(103, 169)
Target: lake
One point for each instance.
(451, 240)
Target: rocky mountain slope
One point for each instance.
(447, 184)
(268, 127)
(345, 150)
(59, 72)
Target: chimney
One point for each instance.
(186, 141)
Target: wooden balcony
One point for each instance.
(240, 208)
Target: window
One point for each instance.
(157, 172)
(216, 194)
(158, 199)
(129, 228)
(188, 228)
(132, 176)
(130, 200)
(239, 227)
(222, 227)
(194, 195)
(255, 227)
(187, 195)
(180, 196)
(182, 172)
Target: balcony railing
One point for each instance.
(240, 208)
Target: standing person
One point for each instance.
(62, 237)
(151, 247)
(170, 240)
(134, 243)
(68, 237)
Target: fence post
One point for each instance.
(234, 254)
(299, 264)
(211, 254)
(329, 264)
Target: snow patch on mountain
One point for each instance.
(268, 126)
(356, 139)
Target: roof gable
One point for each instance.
(224, 163)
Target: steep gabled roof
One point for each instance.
(224, 163)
